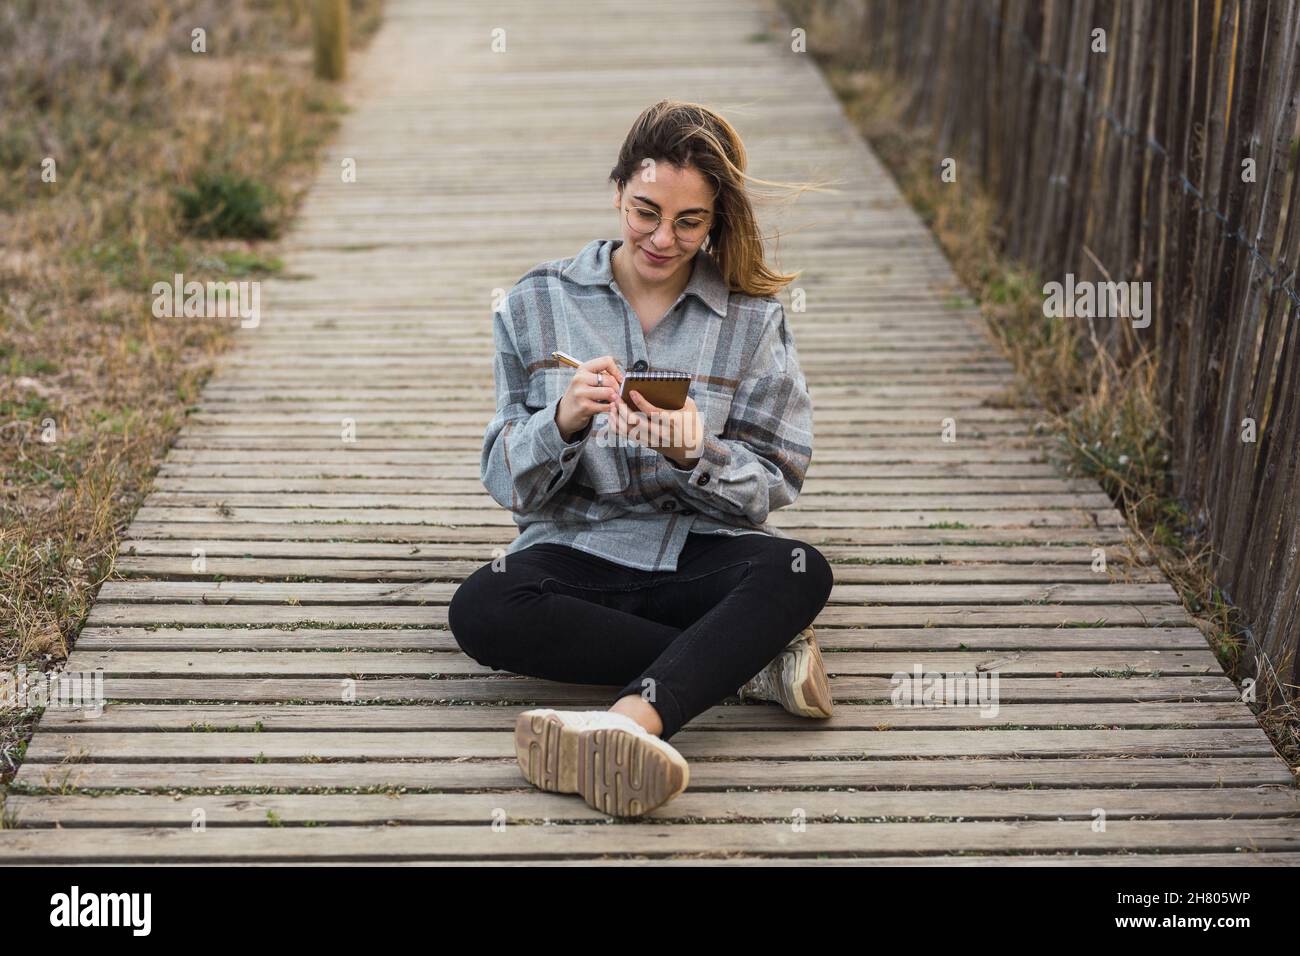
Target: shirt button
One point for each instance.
(640, 365)
(704, 479)
(668, 505)
(567, 456)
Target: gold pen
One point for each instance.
(567, 359)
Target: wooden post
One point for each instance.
(330, 38)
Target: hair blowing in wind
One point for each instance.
(688, 134)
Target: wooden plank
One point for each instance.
(503, 688)
(843, 557)
(224, 746)
(113, 810)
(1060, 538)
(182, 568)
(305, 662)
(975, 615)
(367, 843)
(831, 640)
(453, 775)
(440, 502)
(310, 717)
(384, 487)
(422, 593)
(939, 518)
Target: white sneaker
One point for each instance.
(618, 766)
(796, 679)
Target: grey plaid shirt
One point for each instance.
(624, 502)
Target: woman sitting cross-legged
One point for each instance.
(645, 558)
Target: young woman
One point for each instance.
(645, 559)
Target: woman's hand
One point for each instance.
(584, 399)
(677, 434)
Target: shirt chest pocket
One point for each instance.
(714, 406)
(547, 384)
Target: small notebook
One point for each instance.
(662, 388)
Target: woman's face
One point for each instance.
(673, 192)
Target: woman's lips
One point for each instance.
(657, 260)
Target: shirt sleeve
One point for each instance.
(525, 461)
(758, 463)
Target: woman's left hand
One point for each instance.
(677, 434)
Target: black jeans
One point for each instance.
(683, 639)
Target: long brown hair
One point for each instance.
(690, 135)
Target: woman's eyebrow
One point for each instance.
(650, 202)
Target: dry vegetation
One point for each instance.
(138, 125)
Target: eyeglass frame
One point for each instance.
(628, 210)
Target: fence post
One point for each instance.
(330, 38)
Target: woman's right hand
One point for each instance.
(583, 399)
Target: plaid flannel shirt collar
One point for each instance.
(592, 266)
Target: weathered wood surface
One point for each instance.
(329, 564)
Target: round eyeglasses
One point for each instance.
(644, 220)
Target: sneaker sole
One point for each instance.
(808, 692)
(616, 771)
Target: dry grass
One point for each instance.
(129, 114)
(1106, 420)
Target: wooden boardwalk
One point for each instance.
(329, 563)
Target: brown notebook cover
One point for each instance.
(662, 388)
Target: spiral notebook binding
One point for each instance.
(660, 375)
